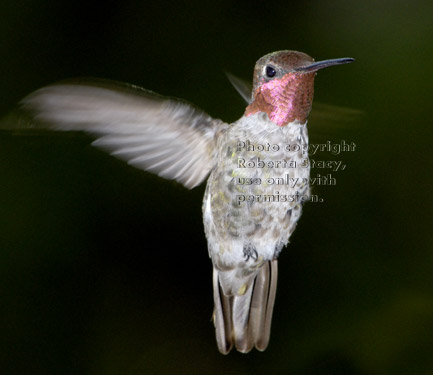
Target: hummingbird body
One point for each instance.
(256, 230)
(253, 197)
(244, 237)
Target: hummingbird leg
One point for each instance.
(250, 252)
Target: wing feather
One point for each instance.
(165, 136)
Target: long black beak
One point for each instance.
(324, 64)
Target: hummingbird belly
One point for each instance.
(254, 198)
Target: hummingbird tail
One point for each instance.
(245, 320)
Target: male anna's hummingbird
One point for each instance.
(248, 219)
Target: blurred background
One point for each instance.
(104, 268)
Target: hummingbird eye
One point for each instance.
(270, 71)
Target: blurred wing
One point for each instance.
(164, 136)
(324, 121)
(244, 88)
(331, 121)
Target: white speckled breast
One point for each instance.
(249, 230)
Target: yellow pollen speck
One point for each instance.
(242, 290)
(259, 262)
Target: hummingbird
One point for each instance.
(247, 219)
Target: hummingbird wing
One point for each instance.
(324, 121)
(243, 87)
(168, 137)
(328, 121)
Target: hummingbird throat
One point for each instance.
(285, 100)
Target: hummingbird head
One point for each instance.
(283, 85)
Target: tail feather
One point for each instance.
(245, 320)
(264, 332)
(259, 305)
(240, 316)
(223, 327)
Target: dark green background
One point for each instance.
(104, 268)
